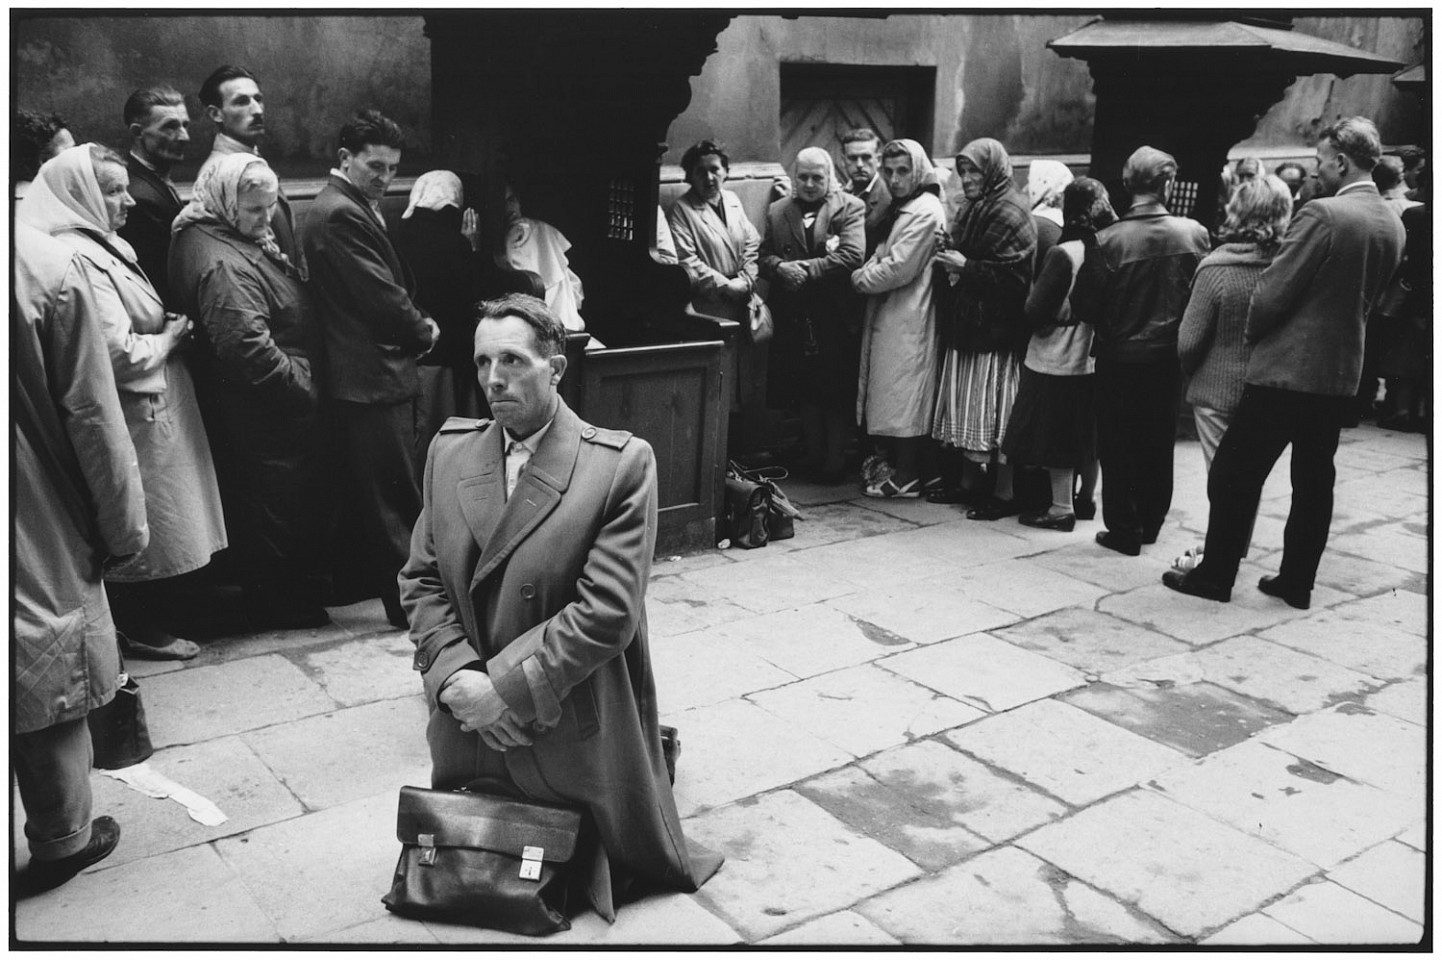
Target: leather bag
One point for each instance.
(761, 327)
(118, 729)
(755, 493)
(486, 860)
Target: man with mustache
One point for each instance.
(159, 128)
(232, 100)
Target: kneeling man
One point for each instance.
(525, 592)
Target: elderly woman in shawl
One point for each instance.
(438, 236)
(80, 197)
(989, 269)
(1045, 181)
(258, 342)
(896, 389)
(813, 241)
(1053, 422)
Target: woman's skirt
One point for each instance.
(974, 399)
(1053, 423)
(182, 499)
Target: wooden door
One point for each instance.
(820, 102)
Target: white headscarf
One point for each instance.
(66, 195)
(1045, 181)
(818, 155)
(435, 190)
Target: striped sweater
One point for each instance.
(1210, 342)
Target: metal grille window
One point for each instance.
(621, 210)
(1184, 198)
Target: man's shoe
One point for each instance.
(1149, 537)
(1120, 544)
(994, 508)
(1085, 509)
(1065, 522)
(1277, 587)
(42, 875)
(1194, 586)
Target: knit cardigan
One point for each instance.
(1211, 342)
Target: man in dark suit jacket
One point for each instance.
(526, 591)
(861, 149)
(1306, 326)
(159, 128)
(373, 333)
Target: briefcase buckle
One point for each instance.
(531, 858)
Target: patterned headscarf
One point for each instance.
(1045, 181)
(66, 195)
(215, 200)
(997, 226)
(433, 191)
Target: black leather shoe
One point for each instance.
(1149, 537)
(1193, 586)
(950, 495)
(1065, 522)
(1085, 509)
(994, 509)
(1120, 544)
(1277, 587)
(42, 875)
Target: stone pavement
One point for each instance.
(902, 727)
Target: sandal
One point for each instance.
(1188, 560)
(888, 490)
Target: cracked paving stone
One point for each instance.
(985, 672)
(1330, 914)
(1392, 874)
(1089, 641)
(1195, 718)
(1255, 930)
(1344, 739)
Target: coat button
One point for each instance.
(422, 661)
(589, 432)
(528, 591)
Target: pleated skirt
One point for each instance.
(974, 399)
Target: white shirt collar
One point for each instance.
(531, 443)
(1357, 185)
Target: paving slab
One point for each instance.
(922, 832)
(985, 672)
(389, 929)
(706, 667)
(1195, 718)
(865, 709)
(924, 612)
(1389, 544)
(946, 782)
(317, 758)
(294, 869)
(1291, 803)
(1269, 672)
(1374, 649)
(364, 670)
(1368, 460)
(1345, 740)
(1406, 701)
(1397, 502)
(788, 861)
(1363, 577)
(1085, 560)
(202, 703)
(1256, 930)
(921, 512)
(1333, 915)
(1197, 621)
(1005, 897)
(877, 563)
(694, 605)
(844, 928)
(811, 640)
(1190, 872)
(736, 749)
(675, 918)
(1092, 642)
(839, 522)
(1402, 609)
(224, 771)
(1415, 836)
(679, 563)
(1065, 751)
(1392, 874)
(1019, 586)
(185, 896)
(777, 582)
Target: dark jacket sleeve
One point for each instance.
(1046, 305)
(355, 262)
(849, 225)
(234, 312)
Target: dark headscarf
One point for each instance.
(1085, 209)
(997, 226)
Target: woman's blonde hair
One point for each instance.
(1258, 212)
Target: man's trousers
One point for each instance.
(1136, 439)
(52, 770)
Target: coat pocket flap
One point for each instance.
(476, 821)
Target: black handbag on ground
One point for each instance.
(746, 492)
(485, 860)
(118, 729)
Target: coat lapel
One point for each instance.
(823, 220)
(482, 495)
(795, 227)
(538, 491)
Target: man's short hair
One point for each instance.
(1357, 137)
(371, 128)
(1387, 174)
(860, 135)
(1411, 157)
(1291, 165)
(30, 133)
(704, 148)
(1148, 170)
(547, 329)
(141, 102)
(210, 89)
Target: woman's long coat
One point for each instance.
(896, 391)
(77, 489)
(545, 591)
(182, 498)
